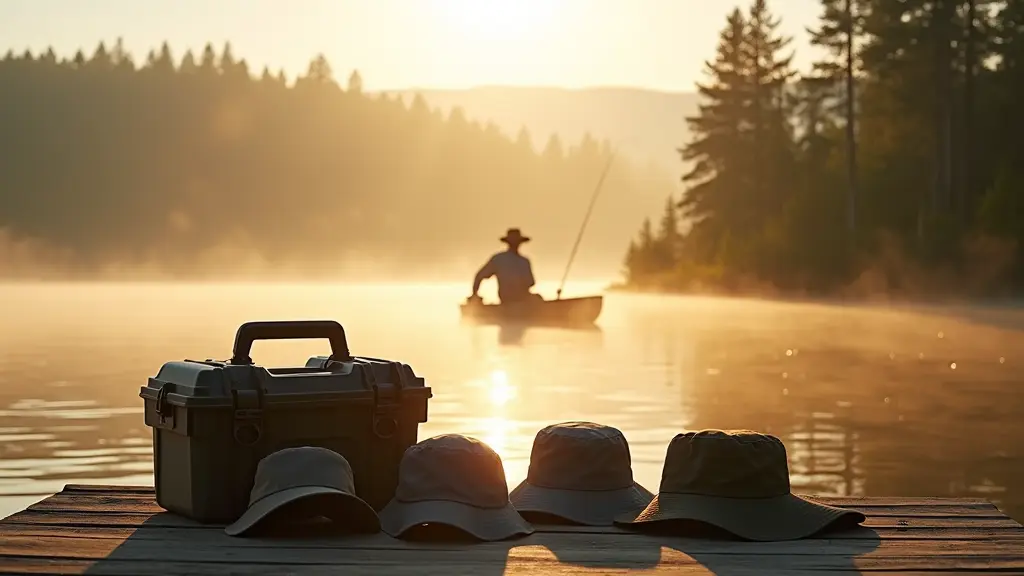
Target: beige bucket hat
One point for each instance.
(456, 481)
(580, 472)
(301, 483)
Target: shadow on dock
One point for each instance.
(716, 549)
(632, 553)
(168, 544)
(812, 555)
(120, 530)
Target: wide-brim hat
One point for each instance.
(580, 472)
(341, 508)
(785, 517)
(303, 483)
(592, 508)
(455, 481)
(514, 236)
(737, 481)
(488, 524)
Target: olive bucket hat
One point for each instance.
(580, 472)
(456, 481)
(737, 481)
(304, 483)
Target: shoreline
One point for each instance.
(1015, 301)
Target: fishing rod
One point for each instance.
(586, 219)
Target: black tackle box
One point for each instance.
(213, 421)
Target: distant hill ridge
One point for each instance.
(647, 125)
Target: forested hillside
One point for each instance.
(646, 124)
(915, 188)
(194, 165)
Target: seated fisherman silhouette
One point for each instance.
(511, 269)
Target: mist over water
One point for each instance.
(870, 401)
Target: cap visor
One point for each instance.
(589, 507)
(487, 524)
(787, 517)
(342, 508)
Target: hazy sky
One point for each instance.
(658, 44)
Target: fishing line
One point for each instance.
(586, 219)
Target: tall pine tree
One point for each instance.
(720, 149)
(770, 79)
(742, 151)
(842, 21)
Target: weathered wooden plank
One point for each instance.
(206, 533)
(836, 501)
(131, 520)
(515, 563)
(143, 492)
(581, 547)
(106, 504)
(136, 567)
(108, 488)
(121, 530)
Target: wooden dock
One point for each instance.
(118, 530)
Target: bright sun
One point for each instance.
(497, 20)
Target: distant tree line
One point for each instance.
(896, 166)
(191, 163)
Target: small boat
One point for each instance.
(538, 312)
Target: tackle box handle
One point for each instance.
(288, 330)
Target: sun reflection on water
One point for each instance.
(499, 429)
(495, 433)
(499, 389)
(501, 434)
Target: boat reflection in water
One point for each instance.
(565, 312)
(513, 333)
(514, 319)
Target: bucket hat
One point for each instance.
(514, 236)
(302, 483)
(457, 481)
(581, 472)
(737, 481)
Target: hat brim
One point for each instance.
(588, 507)
(340, 507)
(488, 524)
(787, 517)
(514, 240)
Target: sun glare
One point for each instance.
(500, 390)
(483, 21)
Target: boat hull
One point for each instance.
(564, 312)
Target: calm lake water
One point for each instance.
(869, 401)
